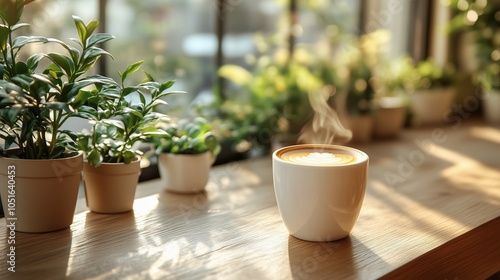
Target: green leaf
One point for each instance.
(64, 62)
(57, 106)
(94, 158)
(81, 28)
(9, 140)
(132, 111)
(116, 123)
(9, 87)
(4, 35)
(93, 53)
(33, 61)
(44, 79)
(92, 26)
(20, 41)
(128, 157)
(166, 85)
(158, 102)
(72, 135)
(131, 69)
(19, 25)
(148, 76)
(142, 98)
(13, 113)
(82, 97)
(19, 79)
(212, 143)
(193, 131)
(57, 152)
(99, 38)
(83, 142)
(128, 90)
(22, 68)
(11, 10)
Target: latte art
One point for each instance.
(317, 158)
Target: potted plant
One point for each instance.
(121, 118)
(432, 92)
(490, 83)
(358, 101)
(390, 98)
(40, 165)
(361, 64)
(185, 153)
(480, 22)
(279, 86)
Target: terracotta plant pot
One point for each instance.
(110, 187)
(491, 104)
(185, 173)
(361, 128)
(40, 195)
(430, 106)
(389, 117)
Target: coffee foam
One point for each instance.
(318, 156)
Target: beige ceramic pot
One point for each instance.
(40, 195)
(491, 104)
(185, 173)
(389, 117)
(110, 187)
(431, 106)
(361, 128)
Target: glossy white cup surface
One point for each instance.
(320, 202)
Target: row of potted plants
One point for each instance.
(41, 162)
(374, 94)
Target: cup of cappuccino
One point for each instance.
(319, 189)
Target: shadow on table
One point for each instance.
(337, 260)
(100, 234)
(50, 260)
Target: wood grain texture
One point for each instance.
(234, 231)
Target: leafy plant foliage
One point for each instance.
(186, 137)
(34, 104)
(122, 117)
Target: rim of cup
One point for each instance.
(361, 157)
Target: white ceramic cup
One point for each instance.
(319, 199)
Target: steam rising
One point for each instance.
(325, 126)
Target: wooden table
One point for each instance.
(439, 219)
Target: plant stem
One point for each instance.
(13, 65)
(55, 128)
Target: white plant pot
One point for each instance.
(389, 117)
(185, 173)
(361, 128)
(45, 192)
(430, 106)
(491, 105)
(110, 187)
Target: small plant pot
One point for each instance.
(361, 128)
(430, 106)
(389, 118)
(110, 187)
(185, 173)
(40, 195)
(491, 104)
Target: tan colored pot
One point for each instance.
(491, 104)
(361, 128)
(389, 117)
(110, 187)
(185, 173)
(46, 192)
(431, 106)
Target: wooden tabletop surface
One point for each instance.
(431, 210)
